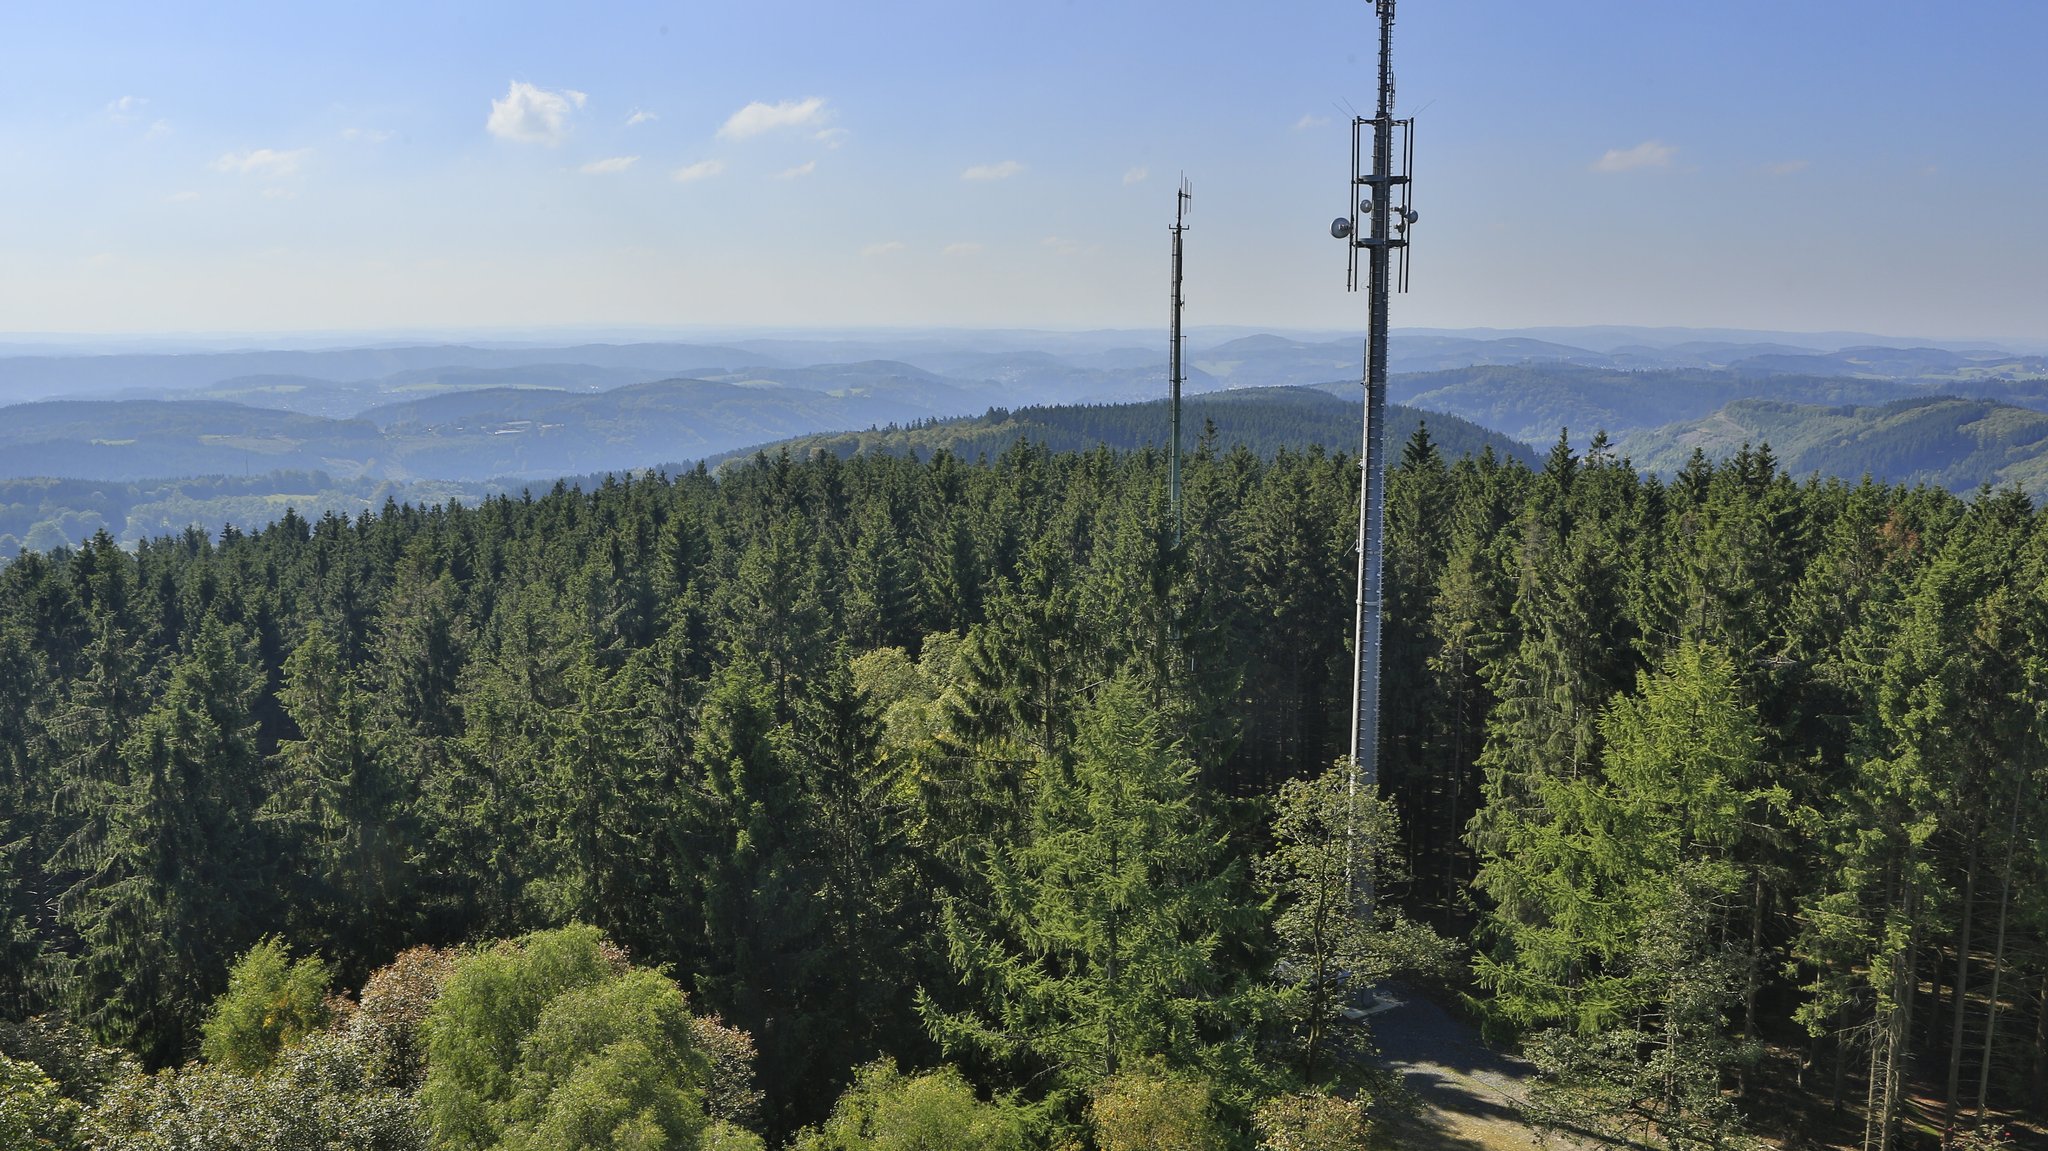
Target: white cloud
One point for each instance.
(700, 170)
(1135, 176)
(640, 117)
(758, 117)
(1002, 171)
(830, 137)
(365, 135)
(884, 248)
(533, 115)
(126, 108)
(267, 163)
(1310, 121)
(1786, 167)
(159, 128)
(1648, 154)
(1060, 244)
(963, 248)
(798, 172)
(608, 165)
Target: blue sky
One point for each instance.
(1793, 165)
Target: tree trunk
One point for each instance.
(2012, 839)
(1753, 963)
(2041, 1043)
(1961, 991)
(1896, 1042)
(1937, 987)
(1109, 1024)
(1841, 1076)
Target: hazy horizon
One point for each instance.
(1593, 337)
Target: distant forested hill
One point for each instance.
(474, 435)
(468, 436)
(1531, 402)
(1264, 420)
(1945, 441)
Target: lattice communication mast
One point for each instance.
(1180, 225)
(1382, 152)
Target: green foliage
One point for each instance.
(63, 1051)
(1658, 1077)
(34, 1114)
(180, 821)
(271, 1002)
(1574, 890)
(611, 1064)
(391, 1013)
(320, 1094)
(337, 804)
(686, 710)
(1101, 941)
(906, 693)
(554, 1042)
(1621, 908)
(789, 838)
(486, 1008)
(1312, 1121)
(1147, 1109)
(1336, 847)
(723, 1136)
(886, 1110)
(730, 1096)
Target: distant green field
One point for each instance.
(45, 514)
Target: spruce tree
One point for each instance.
(1106, 925)
(175, 883)
(339, 813)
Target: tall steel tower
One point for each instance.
(1377, 226)
(1180, 225)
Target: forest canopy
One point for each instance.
(917, 795)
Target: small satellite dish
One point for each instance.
(1365, 207)
(1340, 228)
(1413, 215)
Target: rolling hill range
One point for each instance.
(429, 420)
(44, 513)
(1011, 368)
(475, 435)
(130, 374)
(1943, 441)
(1265, 420)
(475, 424)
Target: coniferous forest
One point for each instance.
(882, 803)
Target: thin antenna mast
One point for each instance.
(1180, 225)
(1378, 226)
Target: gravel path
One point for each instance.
(1471, 1095)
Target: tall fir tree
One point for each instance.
(1101, 939)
